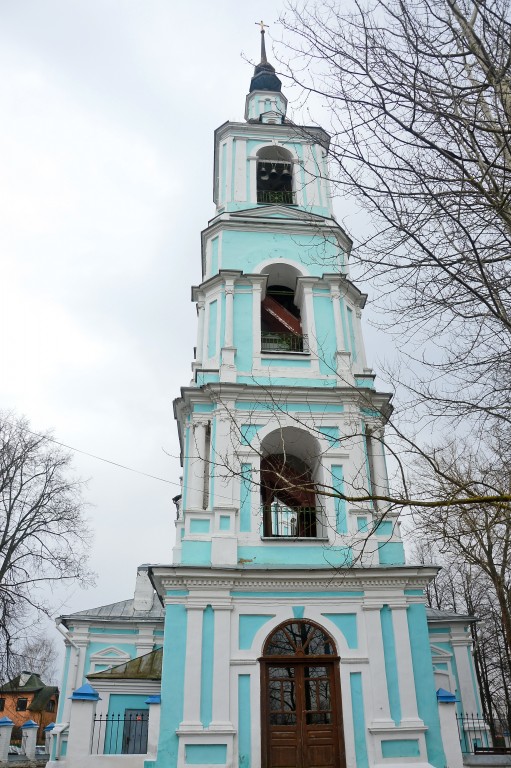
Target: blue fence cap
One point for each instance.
(49, 727)
(30, 724)
(6, 721)
(85, 693)
(156, 699)
(446, 697)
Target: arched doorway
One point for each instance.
(301, 714)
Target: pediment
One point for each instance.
(110, 654)
(439, 654)
(271, 116)
(276, 212)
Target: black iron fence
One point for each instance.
(481, 736)
(283, 342)
(120, 734)
(280, 197)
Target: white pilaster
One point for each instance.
(240, 178)
(450, 734)
(200, 332)
(221, 669)
(193, 666)
(406, 678)
(6, 725)
(381, 709)
(460, 648)
(196, 465)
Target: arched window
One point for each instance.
(288, 491)
(281, 324)
(275, 176)
(299, 638)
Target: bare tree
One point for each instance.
(474, 545)
(43, 531)
(419, 94)
(37, 654)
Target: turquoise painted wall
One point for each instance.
(173, 683)
(325, 333)
(347, 624)
(244, 722)
(425, 682)
(246, 250)
(316, 554)
(400, 748)
(205, 754)
(249, 625)
(118, 703)
(359, 726)
(242, 336)
(196, 553)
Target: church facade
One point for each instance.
(288, 630)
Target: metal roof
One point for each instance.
(121, 611)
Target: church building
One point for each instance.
(288, 630)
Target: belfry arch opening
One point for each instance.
(281, 321)
(275, 176)
(288, 485)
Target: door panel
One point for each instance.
(301, 711)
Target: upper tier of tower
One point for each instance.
(268, 160)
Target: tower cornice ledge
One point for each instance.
(167, 578)
(285, 131)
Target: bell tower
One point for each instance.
(282, 420)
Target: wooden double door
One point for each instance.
(301, 711)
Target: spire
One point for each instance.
(264, 78)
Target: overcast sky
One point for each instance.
(106, 150)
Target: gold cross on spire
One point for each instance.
(262, 25)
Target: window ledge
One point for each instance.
(294, 539)
(285, 353)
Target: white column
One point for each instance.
(229, 312)
(225, 433)
(256, 322)
(80, 728)
(450, 735)
(381, 709)
(196, 464)
(343, 355)
(145, 641)
(5, 738)
(310, 328)
(253, 179)
(406, 679)
(221, 669)
(228, 367)
(153, 726)
(193, 667)
(461, 647)
(29, 738)
(379, 469)
(359, 341)
(200, 332)
(240, 179)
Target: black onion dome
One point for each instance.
(264, 78)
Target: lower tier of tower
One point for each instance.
(312, 668)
